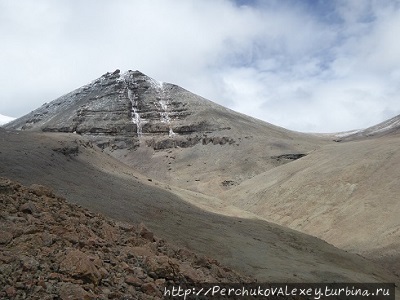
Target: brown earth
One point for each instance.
(346, 193)
(51, 249)
(84, 175)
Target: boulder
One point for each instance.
(28, 208)
(70, 291)
(79, 265)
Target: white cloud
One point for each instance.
(328, 66)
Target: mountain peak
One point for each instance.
(122, 109)
(130, 104)
(158, 127)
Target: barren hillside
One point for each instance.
(51, 249)
(86, 176)
(346, 194)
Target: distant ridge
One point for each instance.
(391, 126)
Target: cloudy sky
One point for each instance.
(307, 65)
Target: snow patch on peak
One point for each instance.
(122, 77)
(346, 133)
(379, 129)
(385, 126)
(5, 119)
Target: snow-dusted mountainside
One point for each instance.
(129, 105)
(391, 126)
(5, 119)
(159, 128)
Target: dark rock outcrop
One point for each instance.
(290, 156)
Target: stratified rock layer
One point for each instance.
(143, 123)
(118, 110)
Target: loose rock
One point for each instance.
(55, 250)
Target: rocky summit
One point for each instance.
(169, 133)
(119, 110)
(50, 249)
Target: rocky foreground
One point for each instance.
(51, 249)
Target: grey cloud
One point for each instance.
(303, 67)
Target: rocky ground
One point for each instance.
(51, 249)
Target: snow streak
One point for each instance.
(133, 98)
(163, 100)
(162, 103)
(135, 114)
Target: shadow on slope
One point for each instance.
(52, 249)
(346, 194)
(88, 177)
